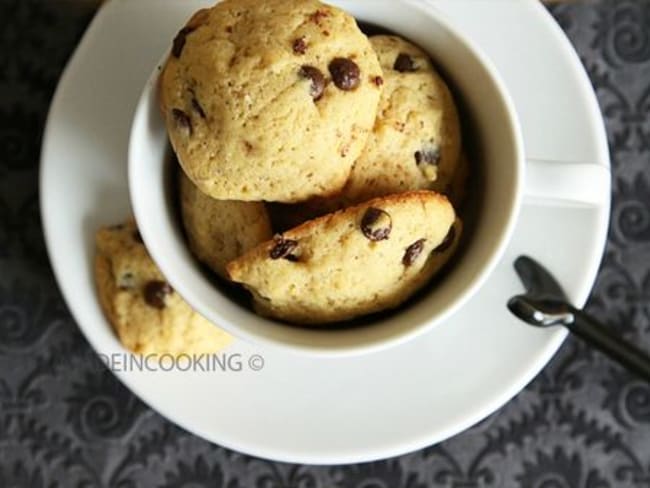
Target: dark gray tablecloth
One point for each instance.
(66, 421)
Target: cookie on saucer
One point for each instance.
(148, 316)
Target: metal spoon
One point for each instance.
(545, 305)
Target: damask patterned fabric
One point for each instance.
(66, 421)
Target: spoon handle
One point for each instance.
(599, 336)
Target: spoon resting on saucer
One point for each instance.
(545, 305)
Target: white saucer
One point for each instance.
(348, 409)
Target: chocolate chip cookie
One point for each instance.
(361, 260)
(270, 100)
(219, 231)
(416, 140)
(148, 316)
(415, 143)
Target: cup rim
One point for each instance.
(373, 344)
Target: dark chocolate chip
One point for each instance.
(179, 41)
(317, 81)
(137, 237)
(345, 74)
(413, 252)
(182, 120)
(447, 242)
(376, 224)
(428, 156)
(378, 80)
(405, 64)
(197, 108)
(155, 293)
(283, 248)
(300, 46)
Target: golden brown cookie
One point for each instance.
(415, 143)
(361, 260)
(416, 140)
(146, 313)
(270, 100)
(457, 188)
(219, 231)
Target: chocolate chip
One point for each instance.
(137, 237)
(405, 64)
(376, 224)
(182, 120)
(283, 248)
(345, 73)
(318, 16)
(197, 108)
(447, 242)
(317, 81)
(126, 281)
(179, 41)
(378, 80)
(155, 293)
(428, 156)
(413, 252)
(300, 46)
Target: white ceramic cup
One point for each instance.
(499, 166)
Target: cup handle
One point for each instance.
(560, 183)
